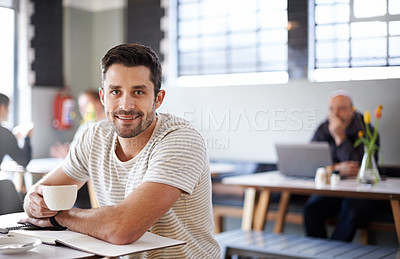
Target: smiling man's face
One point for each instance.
(128, 99)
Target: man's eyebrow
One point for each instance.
(140, 87)
(136, 87)
(113, 87)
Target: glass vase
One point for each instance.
(368, 174)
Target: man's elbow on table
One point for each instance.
(121, 235)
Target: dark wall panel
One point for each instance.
(47, 42)
(144, 23)
(298, 38)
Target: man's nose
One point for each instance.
(127, 102)
(335, 112)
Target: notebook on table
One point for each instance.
(302, 159)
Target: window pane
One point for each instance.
(243, 56)
(394, 46)
(332, 13)
(370, 37)
(272, 5)
(240, 6)
(369, 8)
(273, 53)
(214, 25)
(361, 62)
(275, 19)
(188, 28)
(340, 31)
(224, 36)
(394, 28)
(318, 2)
(332, 50)
(7, 51)
(394, 62)
(188, 63)
(242, 21)
(368, 29)
(214, 62)
(369, 48)
(7, 58)
(214, 42)
(275, 36)
(188, 11)
(188, 44)
(240, 40)
(394, 7)
(212, 8)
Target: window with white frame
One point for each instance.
(225, 42)
(7, 53)
(355, 39)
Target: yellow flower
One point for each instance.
(354, 108)
(361, 134)
(367, 117)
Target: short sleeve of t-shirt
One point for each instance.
(75, 165)
(178, 160)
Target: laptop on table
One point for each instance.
(302, 160)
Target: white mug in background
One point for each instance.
(59, 197)
(321, 176)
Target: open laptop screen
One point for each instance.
(302, 160)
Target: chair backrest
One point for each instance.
(10, 199)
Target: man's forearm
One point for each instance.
(105, 223)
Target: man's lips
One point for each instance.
(127, 117)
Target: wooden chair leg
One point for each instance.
(248, 208)
(364, 236)
(283, 205)
(261, 210)
(218, 221)
(92, 195)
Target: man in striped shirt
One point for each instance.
(150, 171)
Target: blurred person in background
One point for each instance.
(8, 141)
(340, 130)
(91, 110)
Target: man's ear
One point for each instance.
(101, 93)
(160, 98)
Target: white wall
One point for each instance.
(244, 122)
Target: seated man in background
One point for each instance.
(9, 144)
(340, 130)
(91, 110)
(150, 170)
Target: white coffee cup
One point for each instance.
(59, 197)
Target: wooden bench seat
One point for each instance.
(267, 244)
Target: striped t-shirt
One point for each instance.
(175, 155)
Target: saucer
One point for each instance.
(13, 245)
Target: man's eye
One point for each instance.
(114, 92)
(139, 92)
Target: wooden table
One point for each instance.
(269, 182)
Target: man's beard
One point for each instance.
(126, 131)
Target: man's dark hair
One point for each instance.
(4, 100)
(131, 55)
